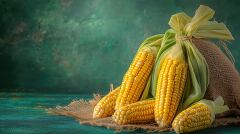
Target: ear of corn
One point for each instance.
(138, 72)
(136, 77)
(155, 40)
(105, 107)
(139, 112)
(170, 86)
(193, 118)
(198, 116)
(167, 42)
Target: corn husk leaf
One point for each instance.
(216, 107)
(199, 78)
(154, 40)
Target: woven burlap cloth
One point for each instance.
(224, 81)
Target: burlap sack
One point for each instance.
(224, 81)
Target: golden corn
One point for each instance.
(139, 112)
(196, 117)
(169, 91)
(105, 107)
(199, 116)
(136, 77)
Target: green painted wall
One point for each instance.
(83, 45)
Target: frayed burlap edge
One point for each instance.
(82, 111)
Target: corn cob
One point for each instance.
(198, 116)
(139, 112)
(105, 107)
(136, 77)
(170, 85)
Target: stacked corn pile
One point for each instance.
(168, 78)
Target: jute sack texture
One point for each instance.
(224, 77)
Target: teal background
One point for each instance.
(84, 45)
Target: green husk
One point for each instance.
(217, 106)
(184, 29)
(154, 40)
(145, 94)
